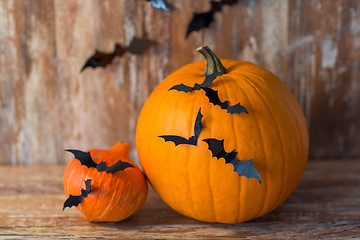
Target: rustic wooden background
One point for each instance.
(47, 105)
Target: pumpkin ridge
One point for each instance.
(209, 177)
(285, 104)
(104, 212)
(226, 93)
(99, 184)
(210, 187)
(86, 177)
(69, 180)
(264, 176)
(299, 134)
(155, 110)
(188, 152)
(170, 163)
(256, 87)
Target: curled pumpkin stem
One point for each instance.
(213, 63)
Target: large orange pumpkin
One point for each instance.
(273, 135)
(115, 189)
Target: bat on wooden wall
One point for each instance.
(159, 4)
(193, 139)
(243, 168)
(86, 159)
(75, 200)
(101, 59)
(203, 19)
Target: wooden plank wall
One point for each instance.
(47, 105)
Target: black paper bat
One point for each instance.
(203, 20)
(119, 166)
(208, 80)
(101, 59)
(86, 159)
(243, 168)
(77, 199)
(159, 4)
(214, 99)
(193, 139)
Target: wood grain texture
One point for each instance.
(324, 206)
(47, 105)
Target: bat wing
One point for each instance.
(197, 125)
(182, 88)
(72, 201)
(200, 21)
(91, 62)
(246, 168)
(99, 59)
(139, 45)
(178, 140)
(118, 166)
(101, 166)
(216, 147)
(76, 200)
(243, 168)
(216, 6)
(83, 157)
(209, 79)
(159, 4)
(214, 98)
(237, 108)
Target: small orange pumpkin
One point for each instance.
(104, 185)
(212, 162)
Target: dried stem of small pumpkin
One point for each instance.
(213, 63)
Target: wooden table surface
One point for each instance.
(326, 205)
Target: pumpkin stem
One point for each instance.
(213, 63)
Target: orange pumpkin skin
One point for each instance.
(274, 135)
(113, 197)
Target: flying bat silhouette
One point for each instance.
(193, 139)
(208, 80)
(203, 19)
(159, 4)
(211, 94)
(118, 166)
(214, 99)
(243, 168)
(77, 199)
(100, 59)
(86, 159)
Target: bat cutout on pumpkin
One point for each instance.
(208, 80)
(101, 59)
(203, 19)
(211, 94)
(243, 168)
(193, 139)
(77, 199)
(86, 159)
(214, 99)
(159, 4)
